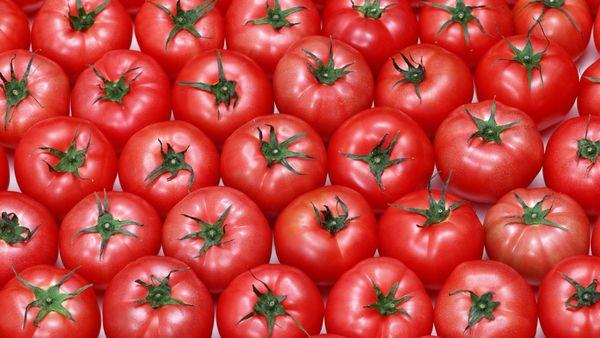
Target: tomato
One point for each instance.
(61, 160)
(485, 299)
(265, 33)
(46, 301)
(381, 153)
(272, 300)
(174, 31)
(38, 89)
(165, 161)
(569, 299)
(132, 6)
(489, 149)
(76, 33)
(220, 91)
(223, 5)
(379, 298)
(4, 170)
(588, 102)
(378, 29)
(530, 74)
(157, 297)
(597, 33)
(121, 93)
(426, 82)
(596, 238)
(325, 232)
(219, 232)
(30, 7)
(274, 159)
(14, 27)
(466, 28)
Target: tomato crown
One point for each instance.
(115, 91)
(71, 160)
(83, 20)
(551, 4)
(489, 130)
(211, 233)
(461, 14)
(583, 296)
(371, 10)
(159, 292)
(326, 73)
(588, 149)
(276, 152)
(387, 304)
(15, 90)
(172, 163)
(276, 17)
(415, 73)
(481, 306)
(11, 232)
(536, 215)
(527, 57)
(185, 20)
(329, 221)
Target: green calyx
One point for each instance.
(481, 306)
(211, 233)
(115, 91)
(83, 20)
(588, 149)
(415, 73)
(276, 152)
(329, 221)
(173, 163)
(461, 14)
(11, 232)
(536, 215)
(387, 304)
(583, 296)
(326, 73)
(185, 20)
(489, 130)
(70, 160)
(159, 292)
(551, 4)
(15, 90)
(527, 57)
(371, 10)
(276, 17)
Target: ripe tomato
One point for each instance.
(30, 7)
(485, 299)
(219, 232)
(272, 300)
(325, 232)
(102, 234)
(76, 33)
(164, 161)
(46, 301)
(588, 99)
(533, 75)
(37, 89)
(28, 234)
(489, 149)
(220, 91)
(157, 297)
(378, 29)
(324, 82)
(174, 31)
(569, 299)
(265, 33)
(274, 159)
(121, 93)
(381, 153)
(61, 160)
(379, 298)
(4, 170)
(132, 6)
(14, 27)
(596, 239)
(426, 82)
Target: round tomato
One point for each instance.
(219, 232)
(14, 27)
(37, 89)
(489, 149)
(46, 301)
(379, 298)
(272, 300)
(533, 75)
(426, 82)
(174, 31)
(220, 91)
(588, 99)
(325, 232)
(157, 297)
(164, 161)
(485, 299)
(4, 170)
(61, 160)
(121, 93)
(264, 33)
(381, 153)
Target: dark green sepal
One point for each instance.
(371, 10)
(481, 306)
(83, 20)
(588, 149)
(527, 56)
(489, 130)
(15, 90)
(12, 232)
(115, 91)
(276, 152)
(536, 215)
(326, 73)
(276, 17)
(387, 304)
(583, 296)
(550, 4)
(334, 223)
(415, 73)
(159, 291)
(185, 20)
(173, 163)
(461, 14)
(70, 160)
(211, 233)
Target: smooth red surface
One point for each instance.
(588, 98)
(14, 27)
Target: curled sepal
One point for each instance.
(415, 73)
(276, 152)
(211, 233)
(185, 20)
(326, 73)
(276, 17)
(588, 149)
(371, 10)
(536, 215)
(481, 306)
(583, 296)
(489, 130)
(11, 232)
(329, 221)
(15, 90)
(83, 20)
(115, 91)
(461, 14)
(70, 160)
(172, 163)
(387, 304)
(527, 57)
(159, 291)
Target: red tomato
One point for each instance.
(61, 160)
(76, 33)
(593, 4)
(121, 93)
(274, 159)
(14, 27)
(325, 232)
(425, 81)
(165, 161)
(265, 33)
(588, 99)
(28, 234)
(533, 75)
(174, 31)
(378, 29)
(466, 28)
(102, 234)
(569, 299)
(272, 300)
(223, 5)
(379, 298)
(220, 91)
(4, 170)
(489, 149)
(157, 297)
(381, 153)
(38, 89)
(29, 6)
(597, 32)
(46, 301)
(132, 6)
(485, 299)
(596, 239)
(219, 232)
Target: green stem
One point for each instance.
(15, 90)
(11, 232)
(387, 304)
(276, 152)
(159, 292)
(276, 17)
(211, 233)
(172, 163)
(83, 20)
(481, 306)
(186, 20)
(334, 223)
(70, 160)
(326, 73)
(115, 91)
(489, 130)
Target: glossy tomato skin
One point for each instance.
(597, 33)
(4, 170)
(14, 27)
(347, 312)
(123, 317)
(245, 243)
(596, 239)
(304, 241)
(132, 6)
(30, 7)
(146, 100)
(59, 190)
(588, 102)
(515, 316)
(447, 83)
(253, 94)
